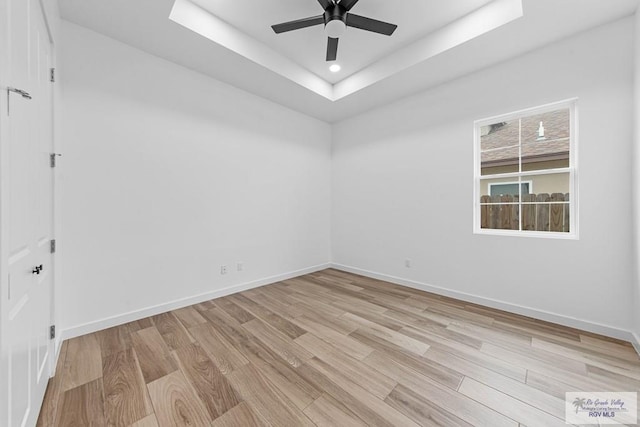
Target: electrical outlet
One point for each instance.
(223, 269)
(408, 263)
(240, 266)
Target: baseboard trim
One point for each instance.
(560, 319)
(98, 325)
(635, 340)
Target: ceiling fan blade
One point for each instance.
(348, 4)
(298, 24)
(325, 3)
(332, 49)
(368, 24)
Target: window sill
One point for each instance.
(528, 234)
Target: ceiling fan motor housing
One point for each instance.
(335, 21)
(336, 18)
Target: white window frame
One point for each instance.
(573, 234)
(492, 184)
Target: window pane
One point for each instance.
(500, 135)
(500, 216)
(503, 186)
(546, 140)
(549, 183)
(500, 147)
(547, 207)
(503, 160)
(508, 189)
(548, 164)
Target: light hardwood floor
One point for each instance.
(332, 349)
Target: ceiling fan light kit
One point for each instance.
(335, 28)
(336, 19)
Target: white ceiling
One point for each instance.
(427, 49)
(442, 37)
(357, 49)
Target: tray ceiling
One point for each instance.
(415, 19)
(275, 69)
(425, 28)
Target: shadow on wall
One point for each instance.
(479, 96)
(127, 78)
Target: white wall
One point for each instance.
(403, 187)
(148, 143)
(636, 183)
(167, 175)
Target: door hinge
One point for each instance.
(53, 246)
(52, 331)
(52, 157)
(53, 75)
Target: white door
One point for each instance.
(27, 213)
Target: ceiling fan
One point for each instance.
(336, 18)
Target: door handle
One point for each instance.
(21, 92)
(37, 269)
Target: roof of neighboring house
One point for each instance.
(500, 144)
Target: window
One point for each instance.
(526, 173)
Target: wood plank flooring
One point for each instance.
(332, 349)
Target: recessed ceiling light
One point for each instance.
(335, 68)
